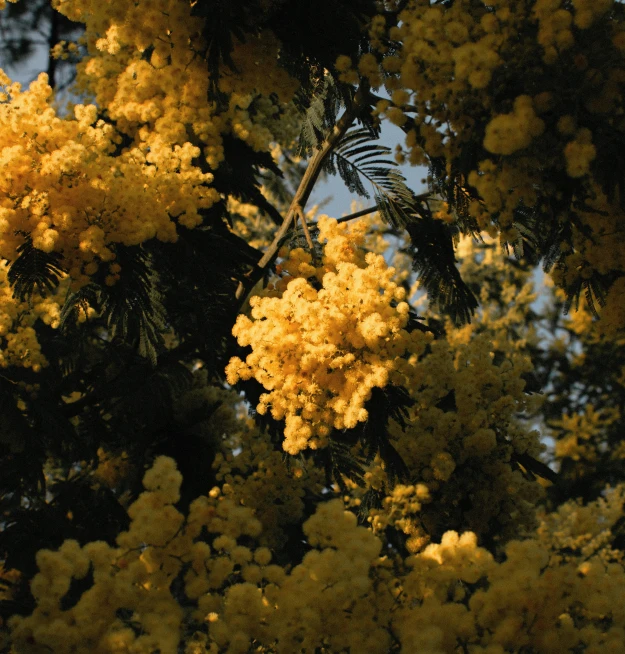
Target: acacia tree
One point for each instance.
(231, 424)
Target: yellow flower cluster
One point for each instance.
(508, 133)
(581, 434)
(112, 468)
(574, 528)
(18, 340)
(462, 433)
(161, 101)
(464, 428)
(64, 50)
(70, 184)
(501, 79)
(320, 352)
(259, 478)
(580, 153)
(66, 187)
(136, 574)
(560, 588)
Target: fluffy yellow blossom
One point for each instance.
(75, 190)
(579, 154)
(508, 133)
(72, 196)
(319, 353)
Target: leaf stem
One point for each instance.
(358, 214)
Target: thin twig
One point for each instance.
(304, 190)
(302, 217)
(357, 214)
(365, 212)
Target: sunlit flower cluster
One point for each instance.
(335, 332)
(68, 188)
(160, 100)
(71, 184)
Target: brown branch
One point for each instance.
(304, 190)
(357, 214)
(302, 217)
(366, 212)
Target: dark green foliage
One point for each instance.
(201, 311)
(282, 187)
(240, 175)
(390, 402)
(432, 251)
(610, 167)
(357, 158)
(594, 289)
(131, 308)
(372, 499)
(311, 40)
(320, 107)
(253, 390)
(527, 221)
(310, 44)
(229, 20)
(34, 270)
(140, 398)
(531, 467)
(77, 510)
(372, 436)
(339, 463)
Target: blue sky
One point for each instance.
(334, 188)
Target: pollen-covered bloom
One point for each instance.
(333, 334)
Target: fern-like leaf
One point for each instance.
(433, 257)
(341, 464)
(320, 112)
(34, 269)
(358, 160)
(131, 308)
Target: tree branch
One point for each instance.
(304, 190)
(357, 214)
(368, 210)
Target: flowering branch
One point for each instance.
(304, 190)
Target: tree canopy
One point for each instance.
(230, 423)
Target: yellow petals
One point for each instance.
(507, 133)
(319, 350)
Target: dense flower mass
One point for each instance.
(520, 101)
(72, 193)
(353, 594)
(320, 352)
(139, 161)
(229, 424)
